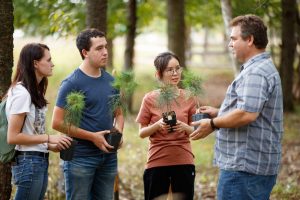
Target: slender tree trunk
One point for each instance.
(288, 51)
(296, 89)
(176, 28)
(227, 16)
(96, 14)
(130, 39)
(110, 50)
(6, 64)
(130, 36)
(188, 44)
(205, 45)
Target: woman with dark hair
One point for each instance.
(170, 158)
(26, 111)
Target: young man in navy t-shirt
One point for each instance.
(91, 172)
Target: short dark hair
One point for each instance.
(252, 25)
(162, 60)
(83, 40)
(25, 73)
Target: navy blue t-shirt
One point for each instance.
(96, 115)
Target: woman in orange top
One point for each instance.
(170, 157)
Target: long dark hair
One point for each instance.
(25, 73)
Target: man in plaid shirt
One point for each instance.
(250, 120)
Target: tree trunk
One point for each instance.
(6, 45)
(110, 51)
(6, 64)
(130, 38)
(96, 14)
(296, 88)
(288, 51)
(227, 16)
(176, 28)
(188, 44)
(205, 45)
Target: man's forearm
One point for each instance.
(235, 119)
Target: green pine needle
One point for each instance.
(167, 94)
(193, 85)
(124, 82)
(74, 108)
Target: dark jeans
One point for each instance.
(181, 178)
(236, 185)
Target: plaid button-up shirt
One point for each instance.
(256, 147)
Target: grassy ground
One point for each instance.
(132, 157)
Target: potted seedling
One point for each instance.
(125, 85)
(167, 94)
(193, 85)
(73, 114)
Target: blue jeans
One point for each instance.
(90, 178)
(237, 185)
(30, 175)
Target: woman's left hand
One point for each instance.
(182, 127)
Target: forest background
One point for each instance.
(137, 30)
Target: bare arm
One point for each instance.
(97, 138)
(15, 136)
(234, 119)
(148, 130)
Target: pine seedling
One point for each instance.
(125, 84)
(193, 85)
(167, 94)
(74, 108)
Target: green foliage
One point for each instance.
(196, 13)
(64, 18)
(193, 86)
(74, 108)
(116, 20)
(167, 94)
(125, 84)
(270, 10)
(37, 17)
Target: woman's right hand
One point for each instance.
(162, 125)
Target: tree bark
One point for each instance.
(6, 64)
(96, 14)
(6, 45)
(227, 16)
(130, 36)
(296, 88)
(130, 40)
(110, 51)
(288, 51)
(176, 29)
